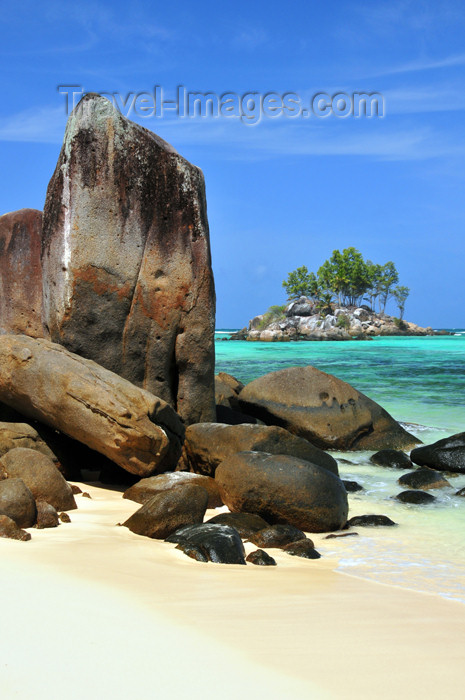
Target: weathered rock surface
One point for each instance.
(444, 455)
(126, 258)
(283, 489)
(415, 497)
(21, 273)
(9, 529)
(260, 558)
(192, 551)
(208, 444)
(302, 548)
(370, 521)
(147, 488)
(246, 524)
(47, 515)
(391, 458)
(17, 502)
(220, 544)
(324, 410)
(277, 536)
(40, 475)
(133, 428)
(423, 479)
(22, 435)
(167, 511)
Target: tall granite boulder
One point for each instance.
(127, 278)
(130, 426)
(21, 273)
(324, 410)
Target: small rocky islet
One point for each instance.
(107, 324)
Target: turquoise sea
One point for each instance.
(421, 382)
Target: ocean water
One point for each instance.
(421, 382)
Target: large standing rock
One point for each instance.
(40, 476)
(133, 428)
(283, 489)
(167, 511)
(17, 502)
(444, 455)
(328, 412)
(208, 444)
(126, 258)
(21, 273)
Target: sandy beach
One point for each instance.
(91, 610)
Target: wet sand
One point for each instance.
(90, 610)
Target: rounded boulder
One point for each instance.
(283, 489)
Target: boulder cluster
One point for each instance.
(107, 364)
(303, 320)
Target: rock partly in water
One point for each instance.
(47, 515)
(424, 479)
(461, 492)
(246, 524)
(166, 512)
(208, 444)
(391, 458)
(149, 487)
(17, 502)
(40, 475)
(415, 497)
(352, 486)
(221, 544)
(444, 455)
(126, 258)
(324, 410)
(370, 521)
(21, 273)
(283, 489)
(277, 536)
(134, 429)
(260, 558)
(10, 530)
(302, 548)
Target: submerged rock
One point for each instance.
(208, 444)
(423, 479)
(21, 273)
(324, 410)
(370, 521)
(126, 258)
(283, 489)
(391, 458)
(444, 455)
(221, 544)
(415, 497)
(134, 429)
(352, 486)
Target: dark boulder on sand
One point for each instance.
(370, 521)
(40, 475)
(423, 479)
(283, 489)
(47, 515)
(302, 548)
(17, 502)
(415, 497)
(134, 429)
(221, 544)
(167, 511)
(278, 536)
(391, 458)
(324, 410)
(208, 444)
(10, 530)
(145, 489)
(21, 273)
(260, 558)
(246, 524)
(444, 455)
(126, 258)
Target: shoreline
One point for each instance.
(131, 614)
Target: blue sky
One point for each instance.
(284, 192)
